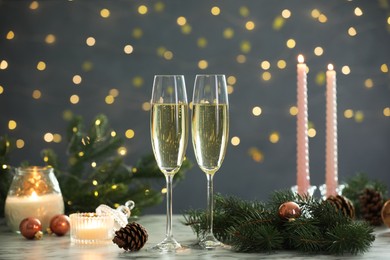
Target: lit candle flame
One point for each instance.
(34, 196)
(330, 66)
(301, 59)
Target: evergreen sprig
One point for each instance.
(254, 226)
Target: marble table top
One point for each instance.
(15, 246)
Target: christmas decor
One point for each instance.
(367, 196)
(60, 224)
(385, 213)
(90, 228)
(289, 211)
(342, 204)
(253, 226)
(96, 173)
(132, 237)
(34, 192)
(371, 203)
(31, 228)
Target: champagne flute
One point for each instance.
(169, 136)
(210, 130)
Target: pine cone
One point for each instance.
(343, 205)
(132, 237)
(371, 203)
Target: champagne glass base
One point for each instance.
(167, 245)
(210, 242)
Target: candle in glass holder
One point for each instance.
(34, 192)
(91, 228)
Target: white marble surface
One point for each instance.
(15, 246)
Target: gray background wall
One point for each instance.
(364, 139)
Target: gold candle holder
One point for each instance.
(91, 228)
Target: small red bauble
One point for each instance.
(289, 211)
(29, 227)
(60, 224)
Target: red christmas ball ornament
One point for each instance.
(31, 228)
(60, 224)
(289, 211)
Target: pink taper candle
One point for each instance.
(331, 166)
(303, 177)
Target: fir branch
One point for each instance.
(253, 226)
(263, 238)
(353, 238)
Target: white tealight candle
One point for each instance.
(91, 228)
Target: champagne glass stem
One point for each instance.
(169, 179)
(210, 204)
(209, 241)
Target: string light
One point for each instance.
(265, 65)
(290, 43)
(250, 25)
(286, 13)
(358, 11)
(274, 137)
(3, 65)
(128, 49)
(50, 38)
(34, 5)
(228, 33)
(318, 51)
(241, 58)
(90, 41)
(181, 20)
(129, 133)
(352, 31)
(256, 111)
(10, 35)
(293, 110)
(281, 64)
(203, 64)
(12, 124)
(105, 13)
(235, 141)
(368, 83)
(266, 76)
(345, 70)
(36, 94)
(142, 9)
(77, 79)
(74, 99)
(19, 143)
(215, 10)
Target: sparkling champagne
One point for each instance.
(210, 130)
(169, 133)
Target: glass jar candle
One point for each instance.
(91, 228)
(34, 192)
